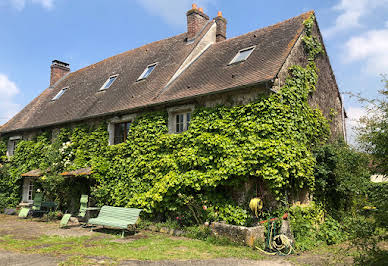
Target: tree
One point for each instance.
(373, 129)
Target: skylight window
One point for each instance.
(147, 71)
(242, 55)
(59, 94)
(108, 83)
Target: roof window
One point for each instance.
(242, 55)
(59, 94)
(108, 82)
(147, 71)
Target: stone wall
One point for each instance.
(239, 234)
(326, 97)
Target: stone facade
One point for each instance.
(326, 97)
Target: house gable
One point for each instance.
(326, 97)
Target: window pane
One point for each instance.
(110, 82)
(119, 133)
(59, 94)
(242, 55)
(148, 72)
(30, 190)
(179, 123)
(128, 125)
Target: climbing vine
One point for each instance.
(268, 140)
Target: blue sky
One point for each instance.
(35, 32)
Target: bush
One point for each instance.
(378, 198)
(341, 176)
(198, 232)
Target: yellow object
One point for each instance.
(256, 205)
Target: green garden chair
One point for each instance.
(24, 212)
(82, 211)
(83, 205)
(38, 199)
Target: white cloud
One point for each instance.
(351, 13)
(172, 11)
(21, 4)
(371, 47)
(8, 90)
(354, 115)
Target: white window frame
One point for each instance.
(117, 120)
(11, 145)
(172, 115)
(59, 94)
(233, 61)
(142, 76)
(107, 81)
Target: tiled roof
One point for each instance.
(33, 173)
(210, 73)
(78, 172)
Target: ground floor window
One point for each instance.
(182, 122)
(28, 190)
(121, 132)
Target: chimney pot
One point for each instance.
(196, 20)
(194, 6)
(219, 14)
(58, 70)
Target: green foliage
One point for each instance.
(305, 222)
(378, 197)
(3, 150)
(229, 213)
(312, 44)
(331, 231)
(341, 176)
(311, 227)
(373, 132)
(198, 232)
(364, 236)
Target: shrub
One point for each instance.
(341, 176)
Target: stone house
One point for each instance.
(200, 67)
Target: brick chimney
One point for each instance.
(196, 20)
(221, 27)
(58, 70)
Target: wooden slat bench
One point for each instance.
(116, 217)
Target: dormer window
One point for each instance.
(147, 71)
(242, 55)
(59, 94)
(108, 82)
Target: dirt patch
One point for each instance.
(30, 229)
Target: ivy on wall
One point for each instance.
(268, 140)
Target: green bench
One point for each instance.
(116, 217)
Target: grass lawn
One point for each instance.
(150, 246)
